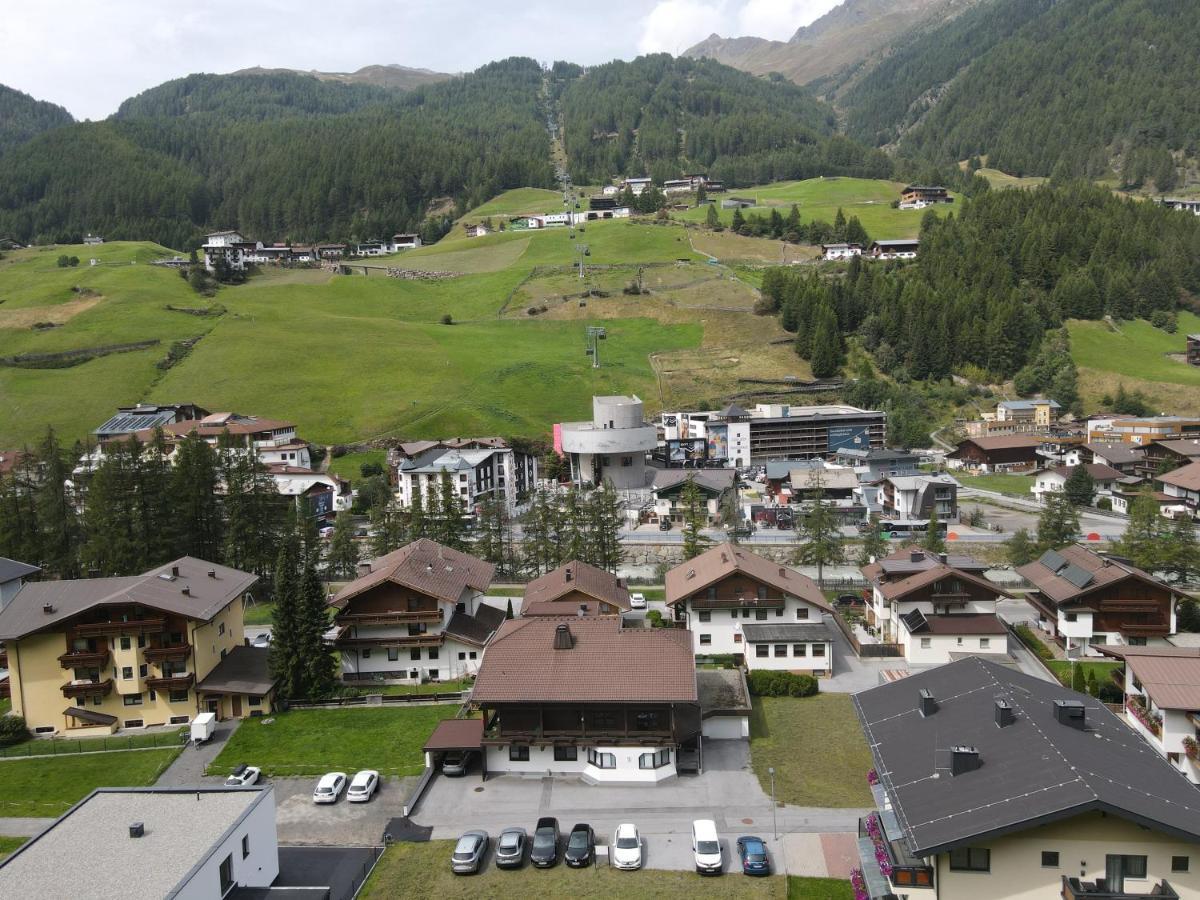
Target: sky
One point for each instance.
(89, 55)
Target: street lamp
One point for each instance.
(774, 806)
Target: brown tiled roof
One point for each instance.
(1172, 681)
(606, 663)
(726, 559)
(1118, 453)
(963, 623)
(1103, 571)
(475, 629)
(456, 734)
(896, 590)
(244, 670)
(425, 566)
(1182, 446)
(560, 609)
(1186, 477)
(900, 562)
(1004, 441)
(1098, 471)
(157, 589)
(715, 480)
(577, 576)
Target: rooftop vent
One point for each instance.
(429, 568)
(212, 573)
(944, 557)
(1004, 714)
(583, 610)
(174, 571)
(563, 639)
(926, 705)
(963, 760)
(1071, 713)
(137, 829)
(916, 555)
(186, 590)
(567, 574)
(48, 608)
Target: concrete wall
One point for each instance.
(258, 869)
(541, 761)
(941, 646)
(725, 631)
(809, 662)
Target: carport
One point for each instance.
(456, 734)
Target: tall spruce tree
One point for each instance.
(287, 642)
(389, 527)
(194, 491)
(113, 545)
(1080, 487)
(934, 541)
(821, 535)
(874, 545)
(1058, 523)
(20, 536)
(318, 673)
(341, 561)
(605, 512)
(694, 519)
(1142, 542)
(156, 511)
(253, 509)
(57, 516)
(826, 357)
(1020, 548)
(1181, 553)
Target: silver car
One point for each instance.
(510, 848)
(469, 853)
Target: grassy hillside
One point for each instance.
(352, 357)
(819, 200)
(519, 201)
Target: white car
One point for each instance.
(243, 776)
(330, 788)
(706, 847)
(637, 601)
(363, 786)
(627, 847)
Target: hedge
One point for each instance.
(767, 683)
(1030, 640)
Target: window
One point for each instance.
(970, 859)
(153, 696)
(1180, 864)
(566, 754)
(518, 753)
(393, 654)
(44, 729)
(801, 612)
(133, 723)
(737, 638)
(125, 645)
(366, 653)
(141, 642)
(433, 654)
(1121, 867)
(126, 672)
(434, 674)
(712, 593)
(132, 699)
(655, 760)
(984, 643)
(762, 651)
(179, 720)
(705, 615)
(178, 696)
(1049, 859)
(245, 845)
(223, 652)
(221, 629)
(254, 701)
(779, 613)
(926, 643)
(626, 461)
(781, 649)
(473, 654)
(462, 655)
(414, 655)
(226, 874)
(648, 720)
(604, 719)
(799, 649)
(602, 760)
(959, 641)
(760, 615)
(705, 640)
(733, 614)
(1071, 617)
(143, 670)
(818, 649)
(762, 592)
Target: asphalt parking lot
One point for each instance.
(302, 822)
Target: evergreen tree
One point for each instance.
(253, 509)
(839, 226)
(1180, 551)
(1142, 542)
(1058, 523)
(508, 612)
(711, 218)
(739, 221)
(418, 521)
(874, 546)
(934, 541)
(1080, 487)
(194, 492)
(113, 545)
(538, 535)
(20, 536)
(570, 534)
(287, 641)
(388, 531)
(155, 508)
(826, 357)
(605, 515)
(56, 514)
(318, 674)
(694, 519)
(821, 535)
(1019, 548)
(341, 562)
(1078, 679)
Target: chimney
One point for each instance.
(916, 555)
(212, 573)
(926, 705)
(943, 558)
(563, 640)
(174, 571)
(1004, 714)
(567, 573)
(186, 590)
(364, 568)
(1071, 713)
(137, 829)
(429, 568)
(48, 609)
(963, 760)
(582, 610)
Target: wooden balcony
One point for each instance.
(171, 682)
(87, 688)
(428, 616)
(173, 652)
(132, 626)
(84, 659)
(344, 642)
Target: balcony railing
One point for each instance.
(173, 652)
(499, 734)
(402, 641)
(178, 682)
(391, 618)
(892, 860)
(84, 659)
(87, 688)
(131, 626)
(1074, 889)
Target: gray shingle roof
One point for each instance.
(787, 634)
(11, 569)
(1032, 771)
(244, 670)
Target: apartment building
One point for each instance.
(479, 468)
(1141, 430)
(914, 499)
(123, 652)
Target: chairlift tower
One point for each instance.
(583, 250)
(595, 334)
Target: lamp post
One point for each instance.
(774, 806)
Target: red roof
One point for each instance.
(577, 576)
(726, 559)
(424, 566)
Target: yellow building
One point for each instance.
(99, 654)
(995, 785)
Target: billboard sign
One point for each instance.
(718, 441)
(682, 452)
(845, 437)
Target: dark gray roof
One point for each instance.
(11, 569)
(788, 633)
(714, 481)
(478, 628)
(244, 670)
(1032, 771)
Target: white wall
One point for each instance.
(791, 663)
(725, 631)
(726, 728)
(941, 646)
(259, 869)
(541, 761)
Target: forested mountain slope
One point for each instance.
(269, 155)
(664, 116)
(396, 77)
(23, 118)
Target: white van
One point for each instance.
(706, 847)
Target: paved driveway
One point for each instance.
(188, 767)
(302, 822)
(850, 673)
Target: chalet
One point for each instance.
(229, 246)
(637, 185)
(416, 614)
(574, 587)
(1000, 453)
(727, 587)
(273, 253)
(331, 251)
(602, 202)
(678, 186)
(1162, 456)
(406, 241)
(587, 697)
(1052, 481)
(669, 485)
(915, 498)
(1192, 206)
(479, 230)
(1125, 458)
(321, 495)
(273, 440)
(1182, 485)
(916, 196)
(1085, 600)
(841, 251)
(610, 190)
(991, 784)
(901, 248)
(1193, 349)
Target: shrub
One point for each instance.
(13, 730)
(447, 319)
(1109, 693)
(1030, 640)
(767, 683)
(368, 469)
(654, 617)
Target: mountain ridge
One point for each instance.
(387, 75)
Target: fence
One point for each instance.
(865, 651)
(364, 872)
(71, 746)
(377, 700)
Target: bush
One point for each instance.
(13, 730)
(654, 617)
(1109, 693)
(767, 683)
(1030, 640)
(369, 469)
(447, 319)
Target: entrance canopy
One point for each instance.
(456, 734)
(89, 716)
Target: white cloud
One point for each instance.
(779, 19)
(674, 25)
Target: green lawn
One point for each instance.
(817, 749)
(314, 741)
(259, 614)
(5, 706)
(350, 465)
(9, 845)
(1138, 351)
(999, 179)
(517, 202)
(400, 690)
(423, 870)
(47, 787)
(1062, 669)
(66, 746)
(819, 889)
(1013, 485)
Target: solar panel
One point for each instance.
(1081, 578)
(915, 621)
(1053, 560)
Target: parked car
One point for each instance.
(510, 848)
(363, 786)
(752, 851)
(664, 524)
(848, 600)
(326, 532)
(637, 601)
(706, 847)
(544, 852)
(626, 852)
(581, 846)
(456, 762)
(243, 776)
(262, 640)
(330, 787)
(469, 853)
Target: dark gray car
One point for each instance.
(469, 853)
(510, 848)
(545, 843)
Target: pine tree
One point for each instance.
(286, 655)
(570, 532)
(537, 533)
(113, 545)
(20, 536)
(739, 221)
(156, 511)
(694, 519)
(508, 612)
(826, 357)
(1142, 542)
(839, 225)
(253, 509)
(934, 541)
(388, 531)
(418, 521)
(194, 491)
(1078, 679)
(56, 514)
(1058, 523)
(342, 560)
(1019, 548)
(318, 674)
(711, 218)
(1079, 487)
(820, 533)
(605, 516)
(874, 546)
(1180, 551)
(449, 520)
